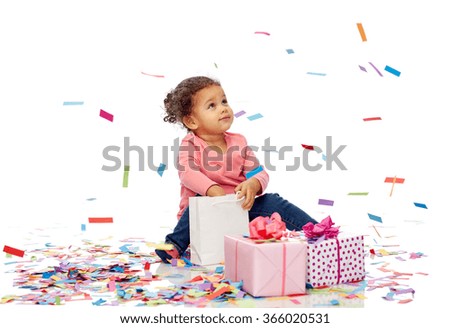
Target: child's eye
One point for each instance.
(211, 106)
(225, 102)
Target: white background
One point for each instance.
(95, 51)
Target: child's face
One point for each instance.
(211, 113)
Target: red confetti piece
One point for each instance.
(372, 119)
(308, 147)
(13, 251)
(394, 180)
(100, 220)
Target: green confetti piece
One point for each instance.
(358, 193)
(125, 179)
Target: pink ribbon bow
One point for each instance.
(264, 227)
(322, 229)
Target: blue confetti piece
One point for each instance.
(219, 269)
(161, 169)
(248, 175)
(125, 249)
(289, 51)
(392, 70)
(314, 73)
(254, 117)
(421, 205)
(188, 263)
(47, 275)
(99, 302)
(334, 302)
(73, 103)
(324, 157)
(375, 218)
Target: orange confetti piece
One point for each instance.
(100, 220)
(361, 32)
(218, 292)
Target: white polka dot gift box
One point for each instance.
(333, 258)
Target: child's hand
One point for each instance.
(215, 190)
(248, 189)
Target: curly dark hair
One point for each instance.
(179, 101)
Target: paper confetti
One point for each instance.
(392, 70)
(421, 205)
(100, 220)
(362, 68)
(315, 73)
(165, 247)
(371, 119)
(361, 32)
(254, 117)
(240, 113)
(13, 251)
(357, 193)
(326, 202)
(309, 147)
(394, 180)
(376, 69)
(289, 51)
(73, 103)
(153, 75)
(126, 171)
(265, 33)
(161, 169)
(106, 115)
(375, 218)
(248, 175)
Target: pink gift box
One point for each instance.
(324, 267)
(266, 269)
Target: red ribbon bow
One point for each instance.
(323, 228)
(264, 227)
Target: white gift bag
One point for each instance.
(210, 219)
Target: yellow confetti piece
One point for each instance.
(156, 302)
(245, 303)
(164, 247)
(383, 252)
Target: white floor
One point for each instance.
(45, 243)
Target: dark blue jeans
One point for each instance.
(264, 205)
